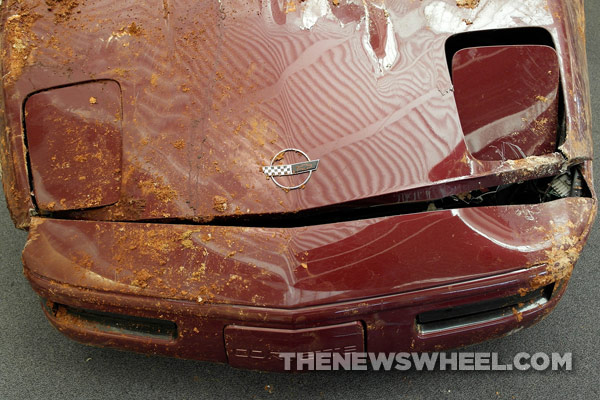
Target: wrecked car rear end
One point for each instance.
(164, 160)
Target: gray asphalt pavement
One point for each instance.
(37, 362)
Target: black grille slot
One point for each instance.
(117, 323)
(474, 313)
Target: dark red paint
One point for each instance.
(299, 267)
(74, 141)
(260, 348)
(191, 99)
(511, 111)
(210, 95)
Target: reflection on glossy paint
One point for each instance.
(372, 18)
(501, 234)
(445, 16)
(236, 81)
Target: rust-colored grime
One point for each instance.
(156, 186)
(141, 278)
(565, 250)
(21, 42)
(158, 247)
(518, 315)
(220, 203)
(14, 198)
(62, 9)
(467, 3)
(134, 29)
(179, 144)
(165, 262)
(186, 240)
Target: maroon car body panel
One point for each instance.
(169, 109)
(306, 266)
(520, 80)
(88, 174)
(213, 90)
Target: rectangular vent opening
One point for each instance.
(497, 37)
(113, 323)
(475, 313)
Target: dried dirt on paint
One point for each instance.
(564, 252)
(21, 44)
(467, 3)
(220, 203)
(158, 188)
(141, 278)
(160, 249)
(179, 144)
(62, 9)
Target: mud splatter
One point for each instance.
(467, 3)
(134, 30)
(21, 43)
(179, 144)
(62, 9)
(517, 314)
(141, 278)
(220, 203)
(158, 188)
(564, 253)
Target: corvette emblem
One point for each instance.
(307, 166)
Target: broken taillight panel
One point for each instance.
(74, 141)
(508, 100)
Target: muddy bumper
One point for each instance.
(419, 282)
